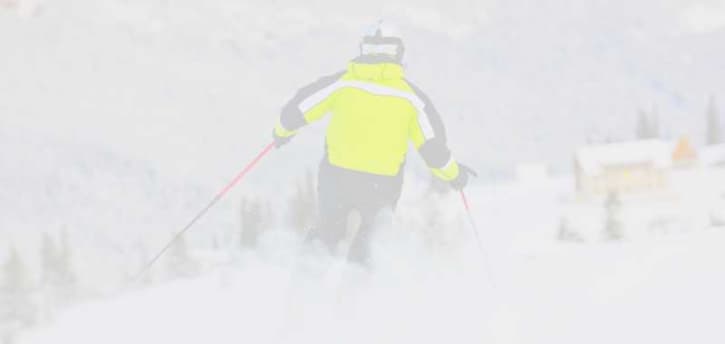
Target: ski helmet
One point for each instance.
(382, 42)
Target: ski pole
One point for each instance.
(481, 248)
(471, 220)
(203, 211)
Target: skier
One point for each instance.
(374, 112)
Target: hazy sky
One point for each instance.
(515, 81)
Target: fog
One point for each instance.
(595, 127)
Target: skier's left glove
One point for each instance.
(463, 174)
(281, 138)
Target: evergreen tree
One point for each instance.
(16, 307)
(643, 125)
(251, 222)
(648, 124)
(49, 257)
(566, 233)
(303, 204)
(66, 279)
(613, 227)
(15, 279)
(714, 129)
(180, 262)
(654, 124)
(57, 269)
(215, 243)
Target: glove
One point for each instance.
(280, 141)
(462, 180)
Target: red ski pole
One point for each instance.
(203, 211)
(474, 227)
(471, 220)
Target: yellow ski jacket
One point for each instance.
(375, 113)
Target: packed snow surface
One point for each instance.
(524, 289)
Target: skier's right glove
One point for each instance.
(281, 137)
(462, 180)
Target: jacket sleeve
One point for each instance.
(428, 135)
(309, 104)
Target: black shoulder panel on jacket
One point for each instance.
(292, 118)
(434, 117)
(434, 151)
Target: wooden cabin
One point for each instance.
(624, 168)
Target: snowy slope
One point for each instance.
(665, 290)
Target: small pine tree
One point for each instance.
(66, 277)
(613, 227)
(642, 131)
(15, 279)
(180, 263)
(566, 233)
(648, 124)
(57, 268)
(654, 124)
(16, 307)
(714, 129)
(251, 223)
(49, 259)
(215, 243)
(303, 204)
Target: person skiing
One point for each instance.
(375, 113)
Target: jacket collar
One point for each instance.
(376, 71)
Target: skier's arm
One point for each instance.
(428, 135)
(309, 104)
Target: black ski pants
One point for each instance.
(342, 191)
